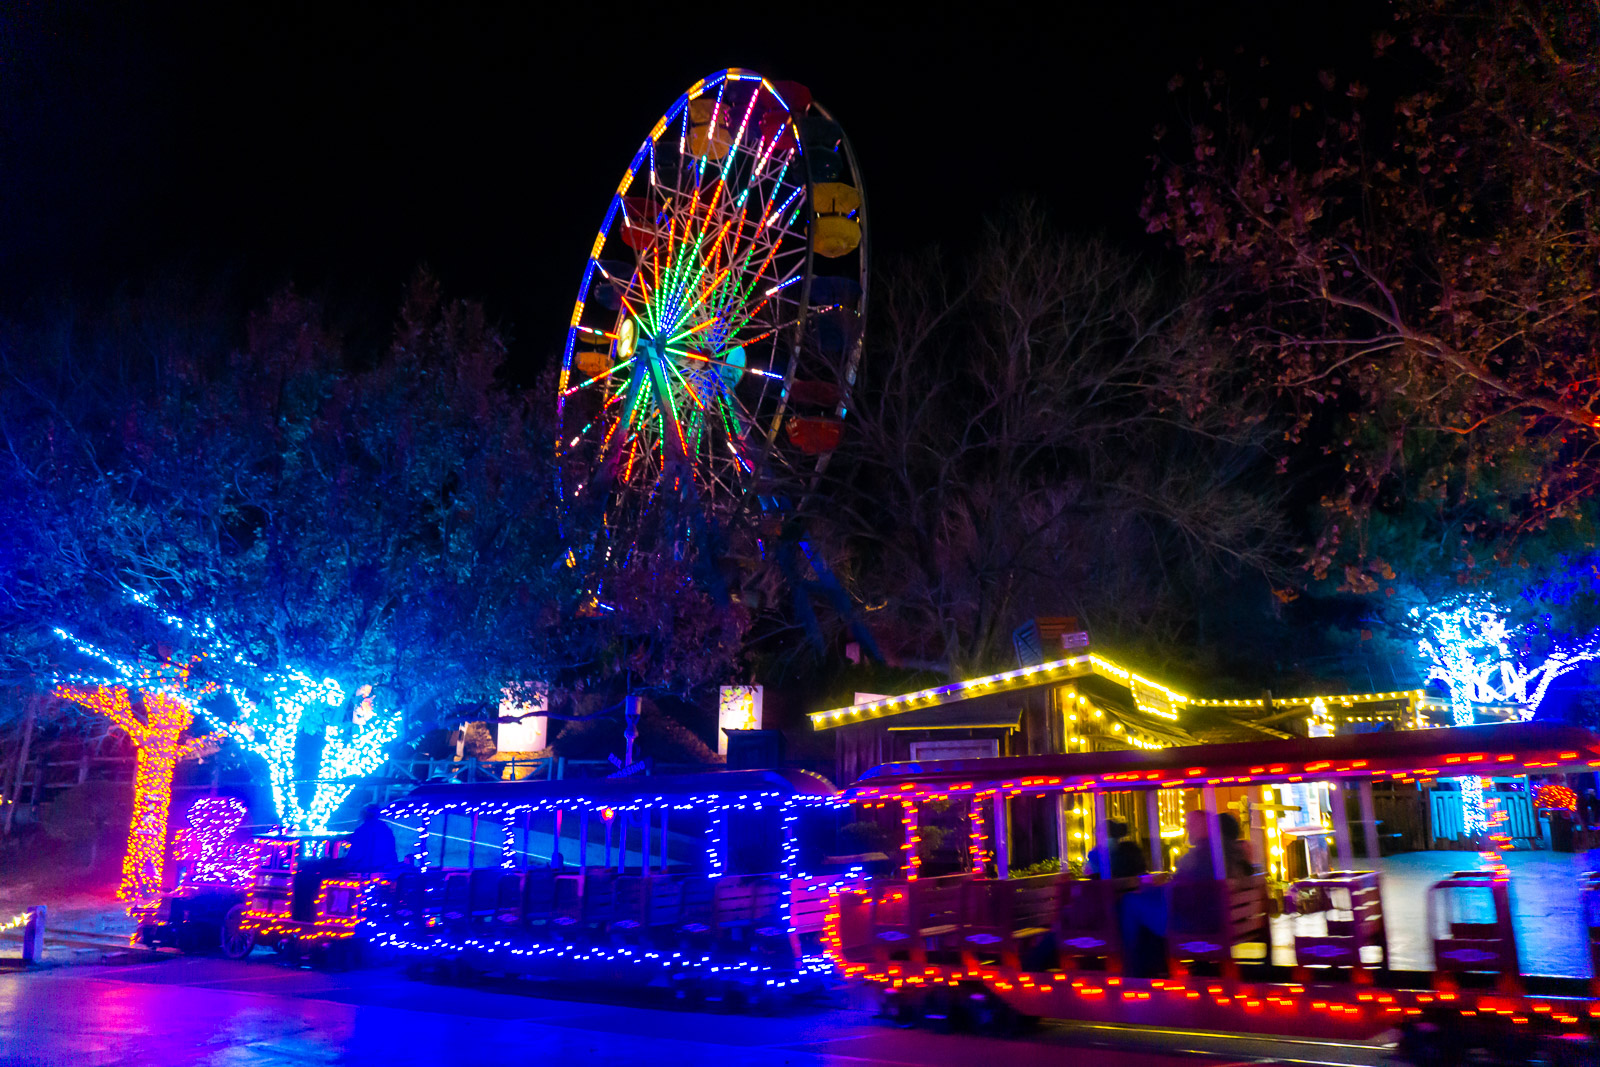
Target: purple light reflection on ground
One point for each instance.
(182, 1012)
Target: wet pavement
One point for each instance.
(1551, 937)
(175, 1012)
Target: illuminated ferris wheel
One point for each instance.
(717, 330)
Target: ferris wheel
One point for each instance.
(717, 331)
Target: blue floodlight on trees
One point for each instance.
(1469, 645)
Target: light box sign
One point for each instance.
(523, 724)
(738, 708)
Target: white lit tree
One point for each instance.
(354, 743)
(355, 735)
(1470, 645)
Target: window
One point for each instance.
(457, 841)
(488, 840)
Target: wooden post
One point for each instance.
(664, 839)
(1001, 837)
(1063, 832)
(644, 844)
(1102, 840)
(622, 840)
(33, 935)
(608, 823)
(1369, 821)
(14, 795)
(1152, 811)
(1341, 825)
(1219, 859)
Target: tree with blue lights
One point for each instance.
(1469, 644)
(377, 514)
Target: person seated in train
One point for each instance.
(1127, 858)
(557, 862)
(372, 845)
(1143, 913)
(1235, 851)
(1195, 864)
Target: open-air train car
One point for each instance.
(955, 931)
(302, 903)
(697, 883)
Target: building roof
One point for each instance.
(1150, 697)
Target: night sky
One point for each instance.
(338, 146)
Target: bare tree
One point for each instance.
(1030, 438)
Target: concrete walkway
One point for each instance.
(1551, 936)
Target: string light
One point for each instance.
(385, 929)
(19, 919)
(208, 845)
(169, 694)
(912, 862)
(341, 907)
(1556, 797)
(1144, 691)
(350, 749)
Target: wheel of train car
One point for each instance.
(340, 955)
(288, 951)
(688, 990)
(237, 942)
(991, 1015)
(900, 1007)
(751, 1000)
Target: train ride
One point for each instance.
(711, 885)
(954, 932)
(749, 887)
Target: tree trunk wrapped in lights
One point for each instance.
(160, 745)
(350, 750)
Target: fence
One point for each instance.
(1449, 823)
(45, 777)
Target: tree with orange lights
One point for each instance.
(167, 700)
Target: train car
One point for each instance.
(304, 904)
(955, 933)
(709, 885)
(204, 911)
